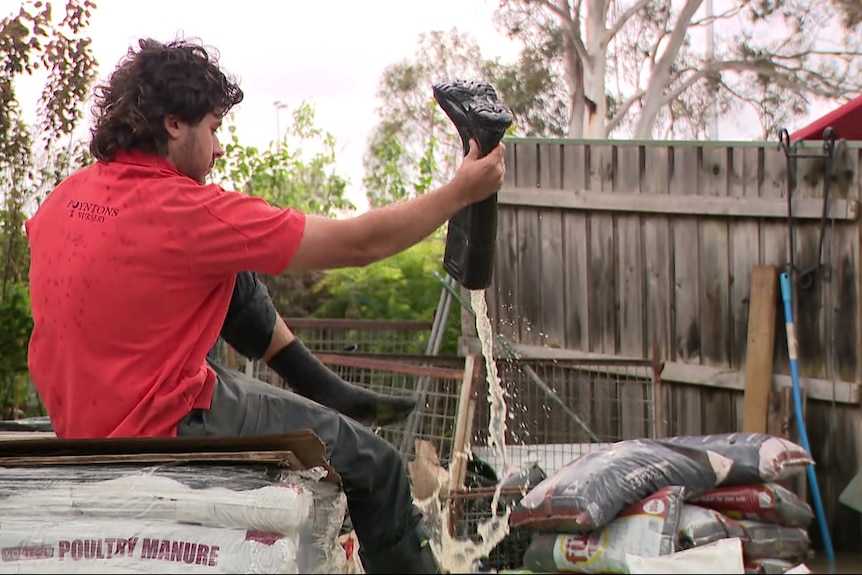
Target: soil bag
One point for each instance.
(589, 492)
(768, 541)
(756, 457)
(765, 502)
(647, 529)
(699, 526)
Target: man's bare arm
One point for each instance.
(377, 234)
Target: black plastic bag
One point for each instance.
(589, 492)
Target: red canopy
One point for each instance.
(846, 121)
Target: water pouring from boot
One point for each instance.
(478, 114)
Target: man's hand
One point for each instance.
(477, 178)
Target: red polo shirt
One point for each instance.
(132, 269)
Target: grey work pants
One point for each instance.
(373, 474)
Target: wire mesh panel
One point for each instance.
(367, 336)
(560, 409)
(337, 335)
(434, 381)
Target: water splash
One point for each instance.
(462, 555)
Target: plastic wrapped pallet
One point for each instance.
(165, 518)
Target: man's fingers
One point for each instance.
(474, 149)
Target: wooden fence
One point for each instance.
(610, 248)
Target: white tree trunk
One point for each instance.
(575, 82)
(594, 90)
(657, 89)
(595, 67)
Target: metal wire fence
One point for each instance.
(560, 409)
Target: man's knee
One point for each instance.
(250, 318)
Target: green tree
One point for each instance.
(35, 41)
(414, 141)
(401, 287)
(296, 171)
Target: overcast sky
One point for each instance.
(330, 53)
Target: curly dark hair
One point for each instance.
(180, 78)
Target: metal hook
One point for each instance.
(784, 141)
(829, 137)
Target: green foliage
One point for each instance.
(401, 287)
(15, 335)
(33, 159)
(390, 181)
(297, 171)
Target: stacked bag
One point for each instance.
(168, 519)
(651, 498)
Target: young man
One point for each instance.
(133, 265)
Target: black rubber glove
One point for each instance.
(310, 378)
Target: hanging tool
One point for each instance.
(807, 277)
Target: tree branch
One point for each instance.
(714, 18)
(626, 16)
(772, 65)
(563, 15)
(617, 119)
(569, 24)
(661, 72)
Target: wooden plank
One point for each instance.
(851, 187)
(529, 272)
(685, 180)
(691, 374)
(780, 415)
(281, 458)
(577, 280)
(713, 265)
(506, 258)
(576, 244)
(761, 345)
(724, 207)
(714, 291)
(743, 238)
(630, 328)
(700, 375)
(808, 312)
(846, 282)
(603, 254)
(630, 287)
(463, 423)
(657, 255)
(345, 360)
(551, 258)
(717, 410)
(338, 323)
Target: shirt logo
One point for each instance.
(90, 212)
